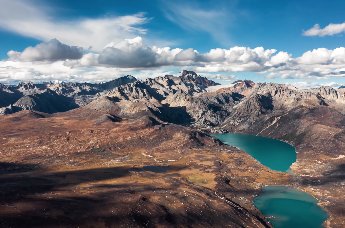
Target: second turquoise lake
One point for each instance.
(274, 154)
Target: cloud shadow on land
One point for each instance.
(176, 115)
(32, 197)
(333, 176)
(48, 199)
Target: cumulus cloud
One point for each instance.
(225, 77)
(318, 63)
(329, 30)
(134, 55)
(217, 87)
(186, 55)
(88, 60)
(237, 59)
(309, 84)
(281, 57)
(317, 56)
(287, 76)
(271, 75)
(128, 54)
(12, 72)
(35, 19)
(53, 50)
(214, 55)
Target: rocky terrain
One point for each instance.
(52, 98)
(78, 160)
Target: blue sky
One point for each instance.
(197, 26)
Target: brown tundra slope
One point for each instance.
(82, 168)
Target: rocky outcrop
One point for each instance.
(191, 76)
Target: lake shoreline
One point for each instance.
(251, 144)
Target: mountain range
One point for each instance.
(170, 118)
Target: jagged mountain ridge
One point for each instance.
(162, 97)
(262, 100)
(173, 99)
(235, 107)
(52, 98)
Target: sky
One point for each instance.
(292, 42)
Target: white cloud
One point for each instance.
(186, 55)
(238, 59)
(88, 60)
(317, 56)
(309, 84)
(33, 19)
(271, 75)
(217, 87)
(338, 55)
(134, 55)
(214, 55)
(53, 50)
(225, 77)
(12, 72)
(131, 53)
(329, 30)
(281, 57)
(152, 73)
(318, 63)
(287, 76)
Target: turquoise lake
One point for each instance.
(289, 207)
(274, 154)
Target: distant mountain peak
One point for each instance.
(189, 73)
(248, 83)
(192, 77)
